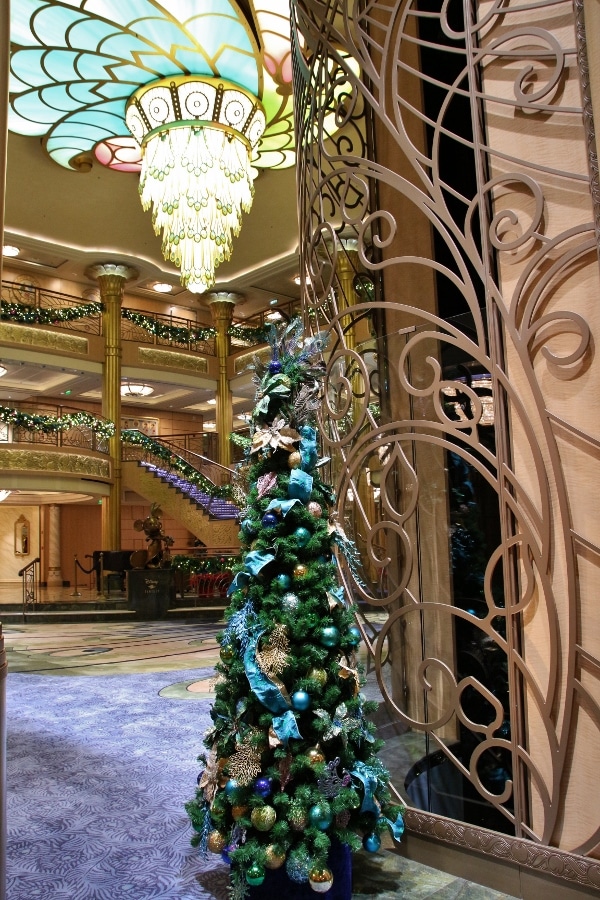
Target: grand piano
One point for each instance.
(114, 563)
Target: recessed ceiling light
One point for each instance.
(161, 287)
(297, 279)
(212, 401)
(209, 425)
(10, 250)
(273, 316)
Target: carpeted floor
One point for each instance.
(104, 726)
(98, 771)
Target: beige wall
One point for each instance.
(10, 563)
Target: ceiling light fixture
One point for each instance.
(209, 425)
(161, 287)
(132, 389)
(197, 136)
(212, 401)
(10, 250)
(3, 370)
(4, 495)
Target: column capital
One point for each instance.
(114, 270)
(222, 304)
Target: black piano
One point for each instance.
(115, 563)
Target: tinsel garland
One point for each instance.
(53, 424)
(175, 463)
(36, 315)
(179, 334)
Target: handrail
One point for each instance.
(28, 574)
(25, 425)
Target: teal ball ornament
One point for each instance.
(320, 816)
(255, 875)
(283, 580)
(269, 520)
(329, 636)
(248, 528)
(372, 842)
(231, 787)
(290, 601)
(302, 536)
(300, 700)
(354, 636)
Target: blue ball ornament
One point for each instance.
(225, 853)
(263, 787)
(320, 816)
(329, 636)
(269, 520)
(302, 536)
(372, 842)
(354, 635)
(275, 367)
(283, 580)
(231, 787)
(248, 528)
(300, 700)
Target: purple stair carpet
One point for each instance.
(214, 507)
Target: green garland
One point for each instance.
(192, 565)
(52, 424)
(36, 315)
(177, 333)
(258, 335)
(175, 463)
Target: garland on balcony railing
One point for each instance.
(211, 565)
(249, 335)
(175, 463)
(38, 315)
(53, 424)
(179, 334)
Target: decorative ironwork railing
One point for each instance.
(28, 304)
(30, 582)
(448, 245)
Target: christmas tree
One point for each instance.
(291, 762)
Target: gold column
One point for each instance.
(111, 280)
(222, 304)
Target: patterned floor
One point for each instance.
(102, 758)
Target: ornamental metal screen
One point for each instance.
(447, 183)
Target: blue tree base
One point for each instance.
(277, 883)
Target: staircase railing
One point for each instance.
(29, 576)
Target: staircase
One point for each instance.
(153, 468)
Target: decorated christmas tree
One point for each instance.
(291, 764)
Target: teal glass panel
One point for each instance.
(112, 90)
(238, 68)
(51, 24)
(24, 126)
(88, 34)
(60, 65)
(192, 62)
(30, 107)
(27, 66)
(20, 17)
(162, 33)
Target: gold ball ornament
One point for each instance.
(263, 818)
(294, 460)
(274, 859)
(300, 570)
(320, 879)
(315, 756)
(216, 842)
(238, 811)
(227, 653)
(318, 675)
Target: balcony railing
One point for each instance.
(80, 436)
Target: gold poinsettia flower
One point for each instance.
(277, 435)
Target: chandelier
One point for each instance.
(197, 136)
(129, 389)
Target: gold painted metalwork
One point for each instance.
(171, 359)
(54, 461)
(39, 337)
(463, 424)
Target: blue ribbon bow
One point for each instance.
(267, 692)
(286, 727)
(308, 447)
